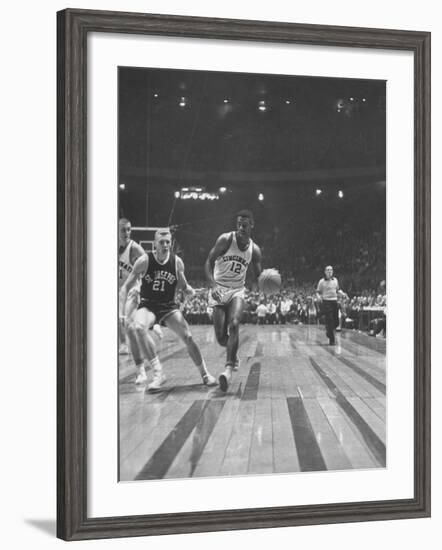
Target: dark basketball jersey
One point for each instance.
(159, 282)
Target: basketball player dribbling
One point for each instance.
(226, 269)
(161, 273)
(128, 253)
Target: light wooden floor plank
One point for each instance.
(250, 429)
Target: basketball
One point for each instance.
(269, 281)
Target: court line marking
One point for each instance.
(250, 392)
(156, 467)
(373, 442)
(308, 450)
(365, 375)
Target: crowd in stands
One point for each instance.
(294, 304)
(352, 239)
(354, 253)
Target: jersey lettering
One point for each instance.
(234, 258)
(230, 268)
(160, 281)
(125, 266)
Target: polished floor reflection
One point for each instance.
(295, 404)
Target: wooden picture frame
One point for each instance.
(74, 26)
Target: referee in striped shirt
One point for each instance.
(328, 291)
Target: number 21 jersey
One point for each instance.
(159, 282)
(231, 267)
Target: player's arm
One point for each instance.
(257, 260)
(136, 251)
(340, 292)
(221, 246)
(181, 277)
(140, 267)
(319, 291)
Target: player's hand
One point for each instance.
(189, 291)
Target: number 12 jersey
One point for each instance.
(231, 267)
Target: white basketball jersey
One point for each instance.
(124, 264)
(231, 268)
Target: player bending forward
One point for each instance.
(226, 269)
(161, 273)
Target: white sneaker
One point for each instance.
(141, 376)
(157, 330)
(208, 379)
(236, 363)
(157, 382)
(224, 378)
(124, 350)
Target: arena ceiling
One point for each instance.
(190, 124)
(279, 136)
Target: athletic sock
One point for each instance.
(146, 364)
(155, 364)
(140, 368)
(202, 368)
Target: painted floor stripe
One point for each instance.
(309, 453)
(259, 349)
(365, 375)
(252, 384)
(371, 439)
(157, 466)
(373, 344)
(203, 430)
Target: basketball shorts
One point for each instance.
(227, 295)
(160, 310)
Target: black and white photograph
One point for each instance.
(252, 283)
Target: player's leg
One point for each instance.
(338, 327)
(129, 314)
(235, 309)
(141, 350)
(220, 325)
(326, 312)
(123, 349)
(330, 321)
(140, 359)
(335, 315)
(176, 322)
(131, 304)
(143, 320)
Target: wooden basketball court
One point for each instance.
(295, 404)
